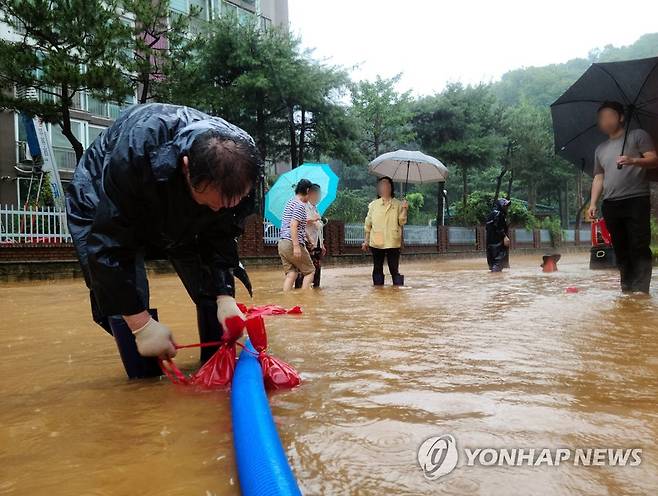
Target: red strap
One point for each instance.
(173, 372)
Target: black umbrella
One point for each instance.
(633, 83)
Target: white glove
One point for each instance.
(230, 317)
(155, 339)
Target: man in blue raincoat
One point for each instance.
(163, 180)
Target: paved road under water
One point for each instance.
(504, 360)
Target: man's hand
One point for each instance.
(297, 251)
(592, 212)
(230, 317)
(155, 340)
(324, 251)
(506, 241)
(625, 160)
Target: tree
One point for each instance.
(382, 114)
(532, 158)
(461, 127)
(263, 82)
(159, 38)
(67, 47)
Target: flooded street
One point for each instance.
(496, 360)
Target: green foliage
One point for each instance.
(479, 205)
(460, 126)
(158, 41)
(68, 47)
(382, 115)
(416, 201)
(350, 206)
(263, 82)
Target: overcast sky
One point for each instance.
(434, 42)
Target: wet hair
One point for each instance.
(314, 187)
(390, 181)
(231, 165)
(612, 105)
(303, 187)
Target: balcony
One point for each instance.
(65, 158)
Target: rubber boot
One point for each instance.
(137, 366)
(398, 280)
(209, 327)
(316, 277)
(378, 279)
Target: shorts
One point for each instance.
(303, 265)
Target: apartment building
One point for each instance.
(91, 116)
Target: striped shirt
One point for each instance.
(295, 210)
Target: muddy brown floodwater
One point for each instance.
(504, 360)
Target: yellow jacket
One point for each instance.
(384, 223)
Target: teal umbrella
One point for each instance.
(284, 189)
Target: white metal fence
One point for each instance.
(271, 233)
(354, 234)
(419, 235)
(33, 225)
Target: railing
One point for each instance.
(33, 225)
(544, 236)
(586, 235)
(271, 234)
(523, 235)
(461, 235)
(569, 235)
(419, 235)
(354, 234)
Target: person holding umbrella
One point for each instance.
(620, 174)
(314, 235)
(292, 246)
(387, 215)
(383, 232)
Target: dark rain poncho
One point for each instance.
(129, 198)
(496, 230)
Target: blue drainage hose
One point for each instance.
(263, 468)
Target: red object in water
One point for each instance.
(257, 334)
(268, 310)
(572, 289)
(278, 374)
(218, 371)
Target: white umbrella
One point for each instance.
(404, 166)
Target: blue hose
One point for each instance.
(263, 467)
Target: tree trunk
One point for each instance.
(499, 181)
(509, 185)
(146, 87)
(532, 196)
(66, 124)
(302, 137)
(465, 185)
(293, 137)
(261, 138)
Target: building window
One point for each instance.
(93, 132)
(62, 149)
(265, 24)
